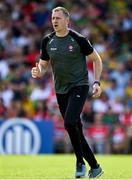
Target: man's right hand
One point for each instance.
(36, 73)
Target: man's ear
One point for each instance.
(67, 20)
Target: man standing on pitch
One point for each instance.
(67, 51)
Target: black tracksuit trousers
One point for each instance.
(71, 105)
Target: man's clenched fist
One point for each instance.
(36, 71)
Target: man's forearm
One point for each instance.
(43, 67)
(97, 65)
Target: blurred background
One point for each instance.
(31, 103)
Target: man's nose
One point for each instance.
(55, 20)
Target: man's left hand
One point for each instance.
(96, 90)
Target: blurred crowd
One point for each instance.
(107, 121)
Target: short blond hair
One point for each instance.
(64, 10)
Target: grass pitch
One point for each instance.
(60, 167)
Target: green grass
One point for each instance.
(60, 167)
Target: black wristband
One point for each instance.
(97, 82)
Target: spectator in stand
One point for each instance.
(41, 92)
(101, 105)
(18, 83)
(40, 15)
(28, 107)
(110, 118)
(114, 91)
(6, 93)
(2, 110)
(99, 134)
(117, 105)
(119, 139)
(105, 82)
(126, 120)
(4, 68)
(126, 117)
(128, 89)
(120, 75)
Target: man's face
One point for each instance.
(59, 21)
